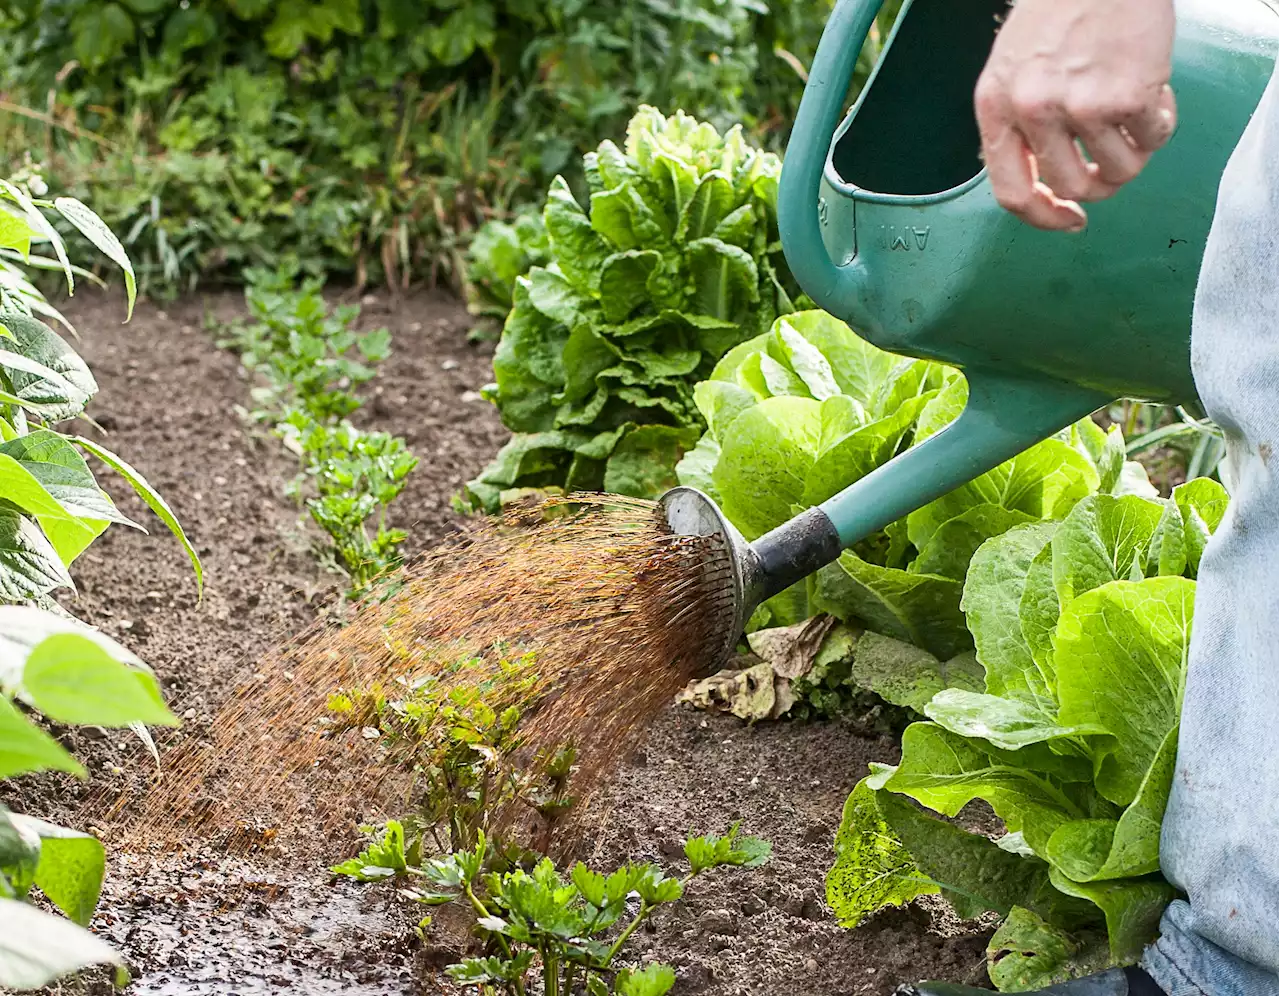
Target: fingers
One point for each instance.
(1154, 124)
(1012, 170)
(1035, 166)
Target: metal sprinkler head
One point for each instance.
(749, 573)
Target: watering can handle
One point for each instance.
(817, 118)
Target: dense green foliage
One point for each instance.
(366, 138)
(1068, 618)
(803, 411)
(51, 510)
(310, 359)
(676, 261)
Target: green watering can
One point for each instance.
(888, 222)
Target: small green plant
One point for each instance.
(355, 476)
(501, 253)
(1069, 618)
(458, 731)
(570, 929)
(311, 359)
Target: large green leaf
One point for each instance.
(1121, 658)
(1089, 850)
(96, 231)
(762, 466)
(29, 565)
(1132, 907)
(923, 609)
(993, 591)
(1006, 723)
(725, 278)
(578, 248)
(72, 679)
(26, 748)
(149, 495)
(1043, 481)
(953, 544)
(906, 675)
(71, 866)
(1028, 953)
(65, 394)
(37, 947)
(872, 869)
(946, 772)
(858, 367)
(643, 463)
(857, 453)
(974, 874)
(1103, 539)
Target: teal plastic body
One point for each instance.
(888, 222)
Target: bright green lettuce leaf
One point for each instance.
(720, 402)
(857, 453)
(923, 609)
(623, 279)
(858, 367)
(1103, 539)
(763, 462)
(872, 869)
(1006, 723)
(1121, 658)
(953, 544)
(1132, 907)
(527, 365)
(993, 591)
(560, 300)
(1089, 850)
(804, 359)
(946, 772)
(1044, 481)
(1038, 609)
(1203, 503)
(695, 467)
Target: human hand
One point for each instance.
(1061, 70)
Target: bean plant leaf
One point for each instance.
(38, 947)
(25, 748)
(41, 225)
(96, 231)
(29, 565)
(44, 369)
(71, 866)
(149, 495)
(72, 679)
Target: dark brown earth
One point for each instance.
(205, 923)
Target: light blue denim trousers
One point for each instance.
(1219, 840)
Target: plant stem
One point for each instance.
(644, 911)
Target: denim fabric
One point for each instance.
(1219, 841)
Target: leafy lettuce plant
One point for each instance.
(1082, 628)
(53, 666)
(799, 413)
(675, 261)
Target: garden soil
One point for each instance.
(201, 922)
